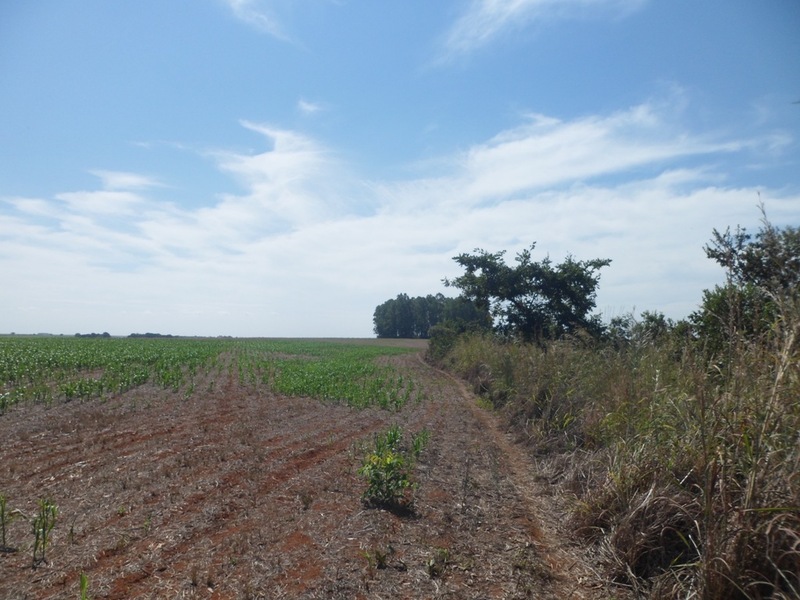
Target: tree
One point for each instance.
(762, 273)
(770, 262)
(651, 328)
(533, 300)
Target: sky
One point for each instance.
(280, 168)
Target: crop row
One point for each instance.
(62, 369)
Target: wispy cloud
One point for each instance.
(255, 14)
(486, 20)
(121, 180)
(290, 254)
(545, 152)
(308, 108)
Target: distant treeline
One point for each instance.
(105, 334)
(405, 317)
(151, 335)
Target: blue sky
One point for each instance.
(281, 167)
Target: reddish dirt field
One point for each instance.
(238, 493)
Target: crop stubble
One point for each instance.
(236, 492)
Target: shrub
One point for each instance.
(387, 469)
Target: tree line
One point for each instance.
(538, 301)
(406, 317)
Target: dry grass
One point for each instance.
(684, 467)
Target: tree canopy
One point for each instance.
(763, 272)
(405, 317)
(532, 300)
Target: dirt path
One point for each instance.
(238, 493)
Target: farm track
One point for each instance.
(239, 493)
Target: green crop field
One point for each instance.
(58, 369)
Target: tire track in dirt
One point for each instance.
(542, 519)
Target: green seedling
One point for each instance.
(418, 442)
(377, 559)
(43, 524)
(6, 517)
(84, 587)
(438, 563)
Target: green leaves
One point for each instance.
(343, 373)
(48, 369)
(387, 468)
(5, 520)
(532, 300)
(43, 524)
(387, 477)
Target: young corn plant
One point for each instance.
(84, 583)
(43, 524)
(418, 442)
(5, 520)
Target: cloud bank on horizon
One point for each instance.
(318, 158)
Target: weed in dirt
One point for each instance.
(377, 558)
(465, 484)
(387, 469)
(6, 516)
(306, 498)
(438, 563)
(84, 587)
(71, 532)
(529, 571)
(387, 478)
(42, 526)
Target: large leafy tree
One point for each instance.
(532, 300)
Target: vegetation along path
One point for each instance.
(228, 489)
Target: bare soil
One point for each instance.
(235, 492)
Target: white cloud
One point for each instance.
(546, 152)
(308, 108)
(121, 180)
(292, 253)
(485, 20)
(101, 202)
(256, 15)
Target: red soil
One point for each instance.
(238, 493)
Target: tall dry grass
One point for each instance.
(684, 467)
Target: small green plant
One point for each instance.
(148, 523)
(438, 563)
(43, 524)
(387, 468)
(377, 558)
(306, 498)
(84, 587)
(5, 519)
(418, 442)
(387, 477)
